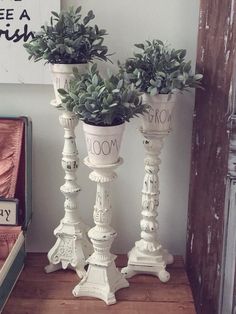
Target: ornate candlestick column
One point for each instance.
(72, 247)
(148, 256)
(102, 279)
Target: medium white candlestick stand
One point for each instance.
(148, 256)
(72, 247)
(102, 279)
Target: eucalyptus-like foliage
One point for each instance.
(157, 69)
(99, 101)
(68, 39)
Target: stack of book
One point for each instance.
(15, 198)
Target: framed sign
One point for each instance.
(8, 211)
(18, 19)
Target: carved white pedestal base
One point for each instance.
(148, 256)
(141, 263)
(72, 247)
(70, 250)
(102, 279)
(101, 282)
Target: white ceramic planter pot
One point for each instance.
(159, 117)
(103, 143)
(61, 76)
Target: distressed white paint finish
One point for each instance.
(148, 255)
(227, 269)
(103, 278)
(191, 245)
(72, 247)
(227, 302)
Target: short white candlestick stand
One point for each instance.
(102, 279)
(72, 247)
(148, 256)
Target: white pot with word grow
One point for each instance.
(159, 116)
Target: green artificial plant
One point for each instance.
(102, 102)
(157, 69)
(68, 39)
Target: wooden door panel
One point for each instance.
(210, 150)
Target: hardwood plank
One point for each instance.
(35, 306)
(155, 293)
(36, 259)
(40, 259)
(36, 273)
(136, 292)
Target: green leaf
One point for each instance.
(86, 20)
(101, 90)
(160, 42)
(177, 84)
(187, 67)
(152, 82)
(90, 88)
(102, 32)
(109, 99)
(138, 55)
(55, 14)
(69, 50)
(104, 111)
(138, 83)
(90, 13)
(73, 95)
(162, 74)
(198, 77)
(77, 11)
(183, 53)
(95, 80)
(62, 91)
(180, 77)
(93, 68)
(120, 84)
(140, 46)
(153, 91)
(78, 41)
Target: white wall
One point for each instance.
(127, 22)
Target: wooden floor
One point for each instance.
(40, 293)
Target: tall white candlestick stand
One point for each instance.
(103, 278)
(72, 247)
(148, 256)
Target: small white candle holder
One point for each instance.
(102, 279)
(148, 255)
(72, 247)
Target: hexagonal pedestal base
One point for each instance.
(101, 282)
